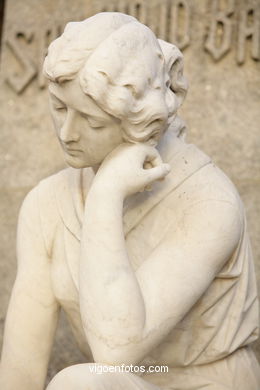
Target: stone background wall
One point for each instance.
(221, 43)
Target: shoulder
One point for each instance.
(49, 190)
(207, 206)
(38, 215)
(57, 200)
(195, 178)
(205, 183)
(41, 197)
(50, 204)
(213, 181)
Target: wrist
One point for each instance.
(103, 189)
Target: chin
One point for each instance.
(77, 163)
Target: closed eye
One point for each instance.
(57, 104)
(96, 126)
(60, 108)
(94, 123)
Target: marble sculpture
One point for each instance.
(142, 240)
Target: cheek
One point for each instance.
(111, 140)
(115, 135)
(58, 118)
(103, 142)
(103, 138)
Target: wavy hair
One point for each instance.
(122, 66)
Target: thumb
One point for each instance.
(156, 173)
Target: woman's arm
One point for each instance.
(126, 314)
(33, 311)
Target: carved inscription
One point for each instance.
(249, 26)
(219, 40)
(169, 19)
(180, 24)
(29, 68)
(222, 26)
(19, 81)
(47, 36)
(229, 26)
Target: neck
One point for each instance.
(95, 168)
(169, 145)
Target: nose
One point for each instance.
(68, 132)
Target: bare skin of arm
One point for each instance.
(33, 311)
(125, 313)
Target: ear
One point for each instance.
(174, 66)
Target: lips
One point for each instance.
(69, 149)
(72, 151)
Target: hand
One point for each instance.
(130, 168)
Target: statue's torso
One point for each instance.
(225, 317)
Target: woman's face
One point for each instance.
(86, 133)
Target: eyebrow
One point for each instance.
(92, 116)
(95, 117)
(56, 97)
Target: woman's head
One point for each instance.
(123, 67)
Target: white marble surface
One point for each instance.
(142, 242)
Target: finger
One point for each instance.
(148, 188)
(147, 165)
(156, 173)
(150, 154)
(153, 157)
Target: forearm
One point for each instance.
(13, 376)
(29, 331)
(111, 302)
(20, 367)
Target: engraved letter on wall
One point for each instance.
(249, 26)
(19, 81)
(180, 24)
(218, 42)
